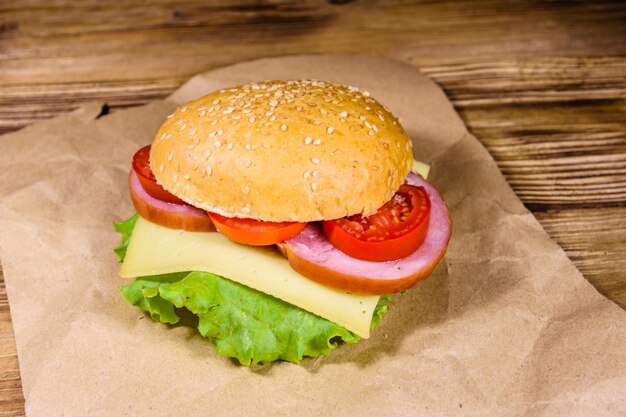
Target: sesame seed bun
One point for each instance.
(283, 151)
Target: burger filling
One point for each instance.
(395, 231)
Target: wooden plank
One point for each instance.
(62, 43)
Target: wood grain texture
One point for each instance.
(11, 399)
(541, 84)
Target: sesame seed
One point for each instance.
(192, 132)
(245, 189)
(214, 122)
(163, 135)
(375, 128)
(313, 186)
(323, 111)
(362, 118)
(220, 132)
(368, 124)
(299, 108)
(342, 120)
(315, 172)
(161, 168)
(202, 173)
(307, 140)
(248, 146)
(228, 110)
(380, 116)
(216, 101)
(330, 130)
(245, 210)
(184, 109)
(168, 136)
(273, 103)
(248, 163)
(283, 127)
(306, 174)
(267, 145)
(203, 113)
(209, 170)
(183, 127)
(371, 133)
(212, 134)
(191, 146)
(272, 118)
(236, 117)
(229, 146)
(366, 93)
(343, 114)
(252, 119)
(315, 160)
(170, 116)
(186, 176)
(218, 143)
(171, 155)
(245, 111)
(317, 141)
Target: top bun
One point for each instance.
(283, 151)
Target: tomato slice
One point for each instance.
(395, 231)
(255, 232)
(141, 165)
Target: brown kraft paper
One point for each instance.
(506, 326)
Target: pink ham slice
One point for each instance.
(313, 256)
(174, 216)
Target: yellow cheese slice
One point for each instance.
(155, 250)
(421, 168)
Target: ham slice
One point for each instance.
(174, 216)
(313, 256)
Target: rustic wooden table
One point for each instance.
(541, 84)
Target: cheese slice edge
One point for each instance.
(155, 250)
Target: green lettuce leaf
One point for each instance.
(125, 228)
(239, 321)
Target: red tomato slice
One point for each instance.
(141, 165)
(255, 232)
(395, 231)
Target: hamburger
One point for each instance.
(282, 215)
